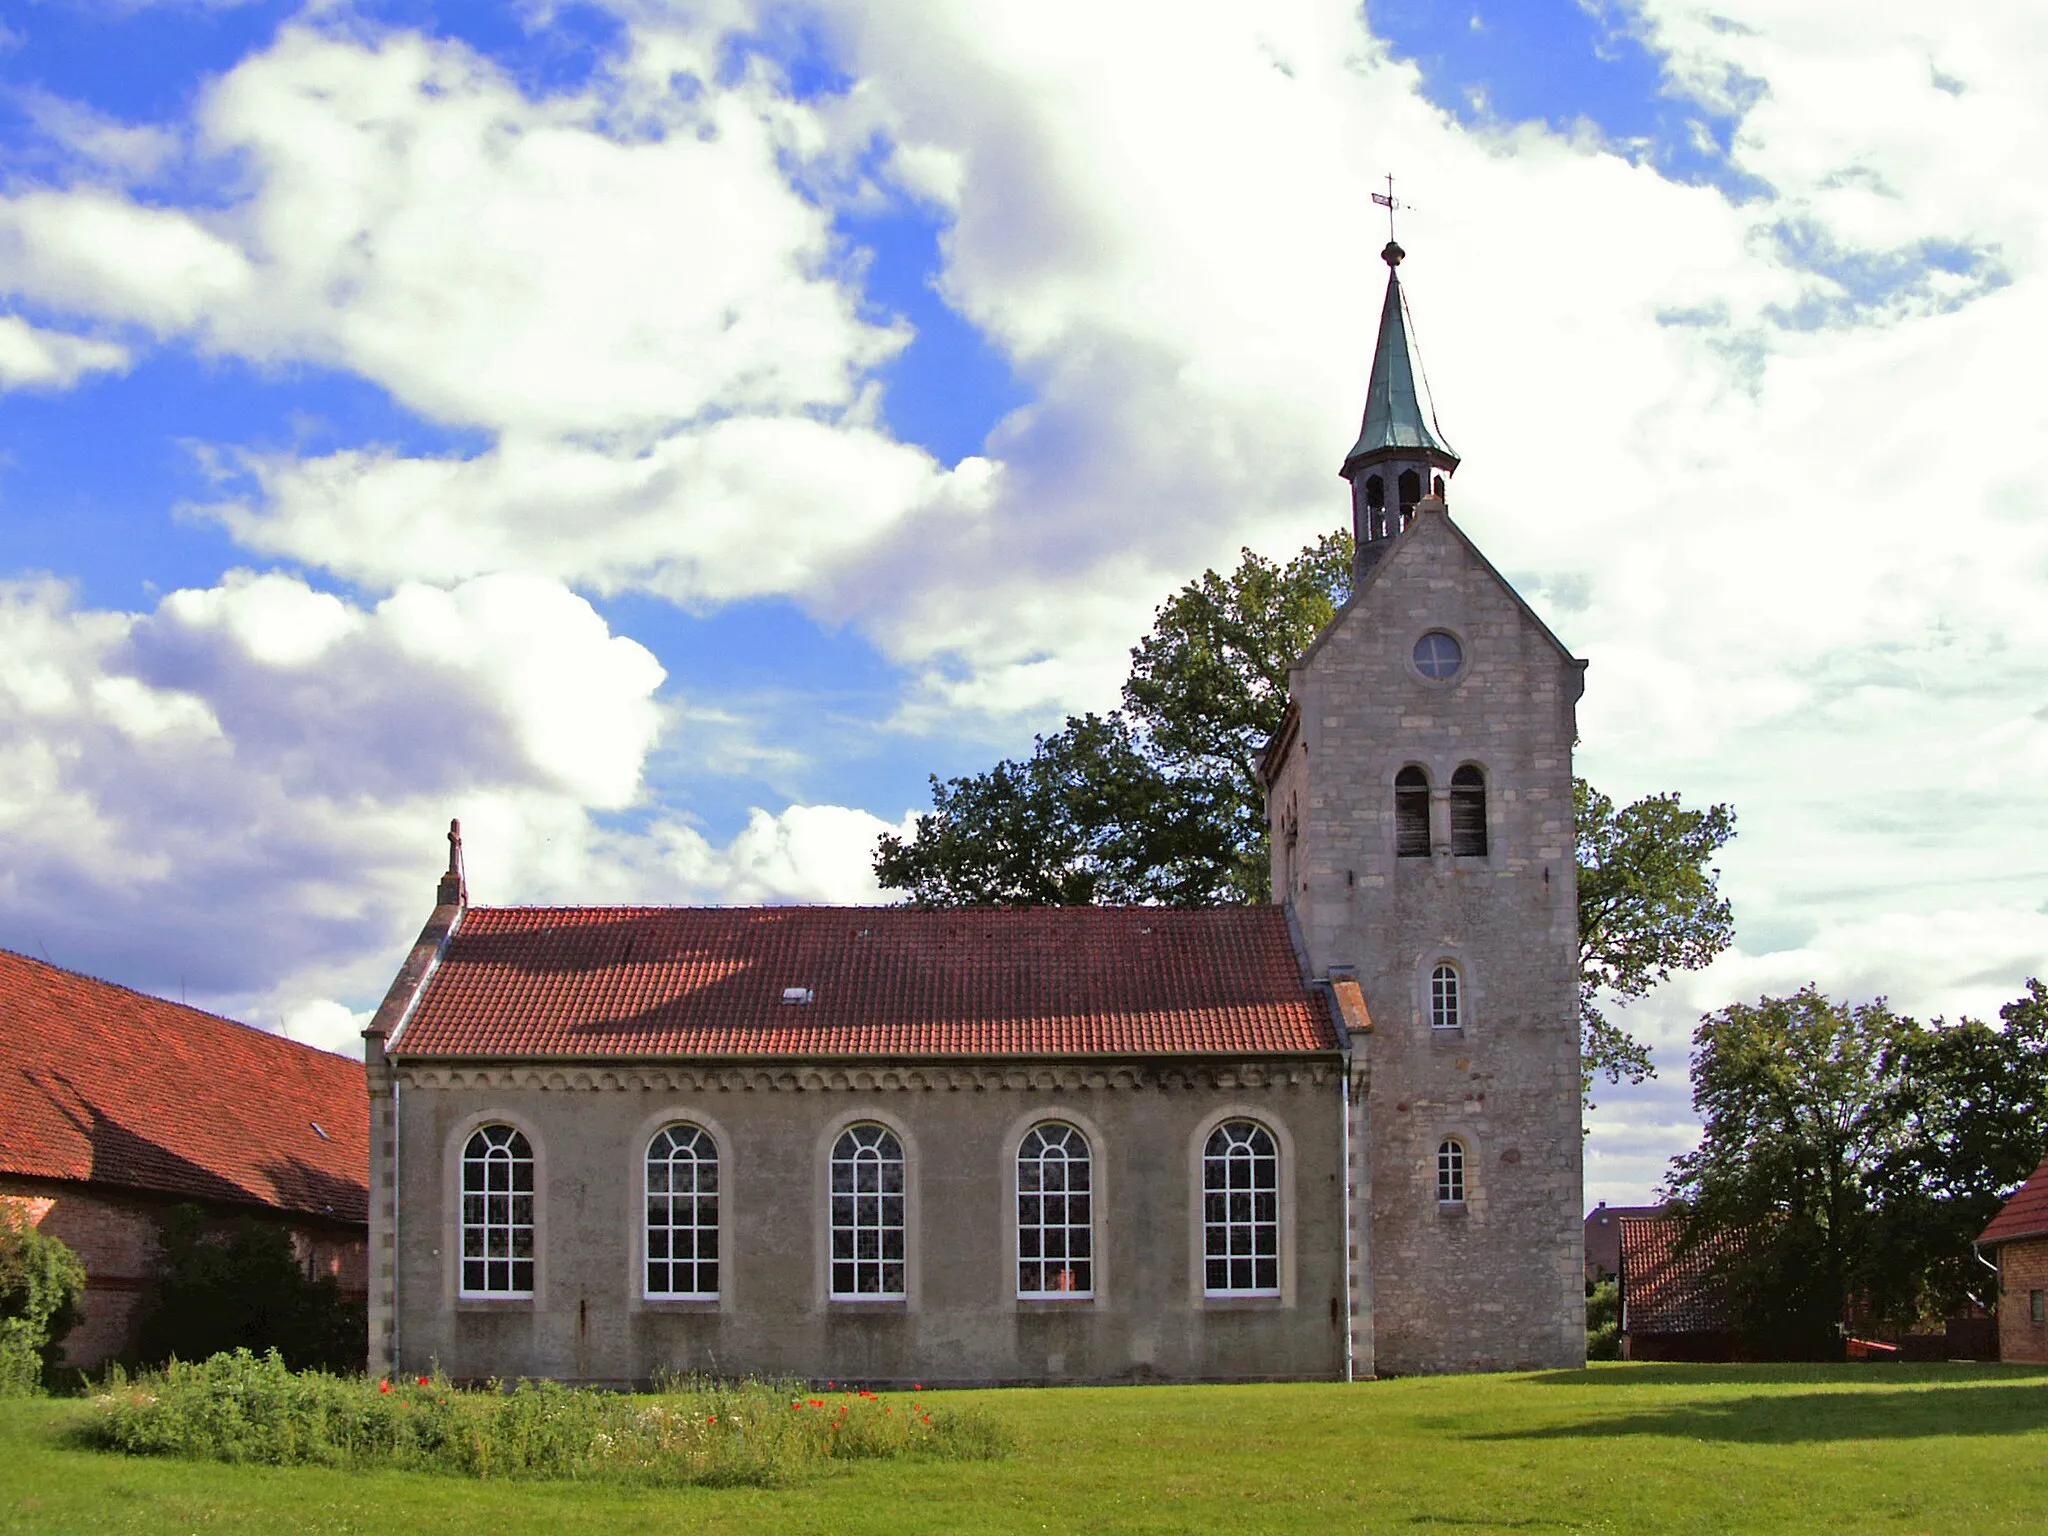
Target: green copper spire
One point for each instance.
(1395, 418)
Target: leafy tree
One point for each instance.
(41, 1285)
(1972, 1108)
(1159, 801)
(1603, 1321)
(1849, 1155)
(1798, 1098)
(239, 1286)
(1648, 906)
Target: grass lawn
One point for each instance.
(1623, 1448)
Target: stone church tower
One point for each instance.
(1420, 802)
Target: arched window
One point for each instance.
(1437, 487)
(1375, 491)
(1450, 1172)
(1240, 1211)
(1446, 1004)
(1055, 1213)
(497, 1213)
(1411, 813)
(1468, 812)
(869, 1234)
(682, 1213)
(1410, 485)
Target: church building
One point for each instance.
(1329, 1138)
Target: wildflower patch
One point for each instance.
(241, 1408)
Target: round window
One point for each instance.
(1438, 655)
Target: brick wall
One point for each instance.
(2022, 1270)
(115, 1235)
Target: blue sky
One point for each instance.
(703, 423)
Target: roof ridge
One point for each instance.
(151, 997)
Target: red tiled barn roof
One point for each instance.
(2025, 1214)
(894, 981)
(1664, 1289)
(103, 1084)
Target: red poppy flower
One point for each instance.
(384, 1386)
(423, 1381)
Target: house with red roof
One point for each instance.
(1674, 1304)
(115, 1105)
(2018, 1240)
(1333, 1136)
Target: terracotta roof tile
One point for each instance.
(1664, 1289)
(104, 1084)
(892, 981)
(2025, 1214)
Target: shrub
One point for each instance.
(238, 1285)
(238, 1407)
(41, 1285)
(1603, 1321)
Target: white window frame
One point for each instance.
(1235, 1206)
(1451, 1185)
(847, 1212)
(500, 1212)
(704, 1151)
(1446, 1003)
(1036, 1203)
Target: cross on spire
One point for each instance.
(1387, 201)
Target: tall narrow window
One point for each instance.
(1240, 1211)
(1445, 1005)
(1410, 486)
(1468, 812)
(869, 1236)
(1055, 1213)
(682, 1213)
(1411, 814)
(497, 1213)
(1450, 1172)
(1375, 507)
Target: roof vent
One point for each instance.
(798, 995)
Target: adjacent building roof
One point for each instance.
(611, 982)
(1603, 1235)
(116, 1087)
(2025, 1214)
(1666, 1288)
(1394, 413)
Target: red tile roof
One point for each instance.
(891, 981)
(116, 1087)
(1666, 1289)
(2025, 1214)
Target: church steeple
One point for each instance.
(1400, 456)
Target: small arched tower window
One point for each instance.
(1468, 812)
(1437, 487)
(1411, 814)
(1450, 1171)
(1446, 998)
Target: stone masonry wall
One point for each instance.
(1497, 1282)
(962, 1321)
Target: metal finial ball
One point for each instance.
(1392, 254)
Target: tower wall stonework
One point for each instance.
(1497, 1282)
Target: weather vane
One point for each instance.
(1386, 200)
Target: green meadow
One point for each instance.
(1621, 1448)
